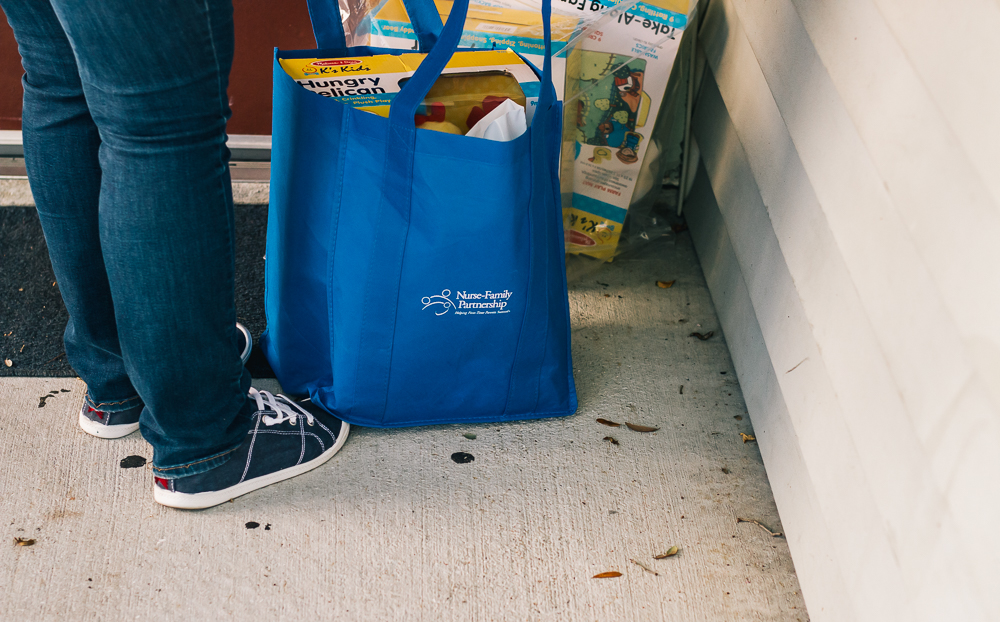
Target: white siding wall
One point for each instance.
(848, 219)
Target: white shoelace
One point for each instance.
(286, 409)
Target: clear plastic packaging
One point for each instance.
(489, 25)
(613, 66)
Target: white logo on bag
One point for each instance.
(469, 303)
(443, 300)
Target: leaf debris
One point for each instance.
(797, 365)
(8, 362)
(611, 439)
(645, 567)
(470, 436)
(609, 423)
(23, 541)
(703, 337)
(640, 428)
(747, 437)
(665, 284)
(774, 534)
(607, 575)
(670, 553)
(681, 390)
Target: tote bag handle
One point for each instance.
(328, 28)
(405, 104)
(386, 261)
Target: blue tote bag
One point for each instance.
(414, 277)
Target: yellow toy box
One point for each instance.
(487, 26)
(615, 84)
(471, 84)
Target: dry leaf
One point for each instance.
(645, 567)
(704, 337)
(610, 438)
(670, 553)
(607, 575)
(747, 438)
(665, 284)
(8, 362)
(23, 541)
(607, 295)
(640, 428)
(774, 534)
(738, 417)
(609, 423)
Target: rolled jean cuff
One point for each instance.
(116, 406)
(194, 468)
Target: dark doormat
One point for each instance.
(32, 315)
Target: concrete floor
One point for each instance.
(393, 529)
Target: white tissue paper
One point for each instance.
(503, 123)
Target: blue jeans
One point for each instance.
(124, 123)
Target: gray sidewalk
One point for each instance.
(393, 529)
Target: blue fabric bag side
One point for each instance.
(437, 259)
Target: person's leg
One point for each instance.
(61, 144)
(155, 75)
(155, 78)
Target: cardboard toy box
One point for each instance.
(487, 26)
(370, 83)
(613, 81)
(616, 82)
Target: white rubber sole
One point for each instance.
(248, 346)
(202, 500)
(106, 431)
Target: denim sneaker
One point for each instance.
(118, 424)
(106, 424)
(286, 439)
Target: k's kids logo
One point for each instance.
(468, 303)
(335, 62)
